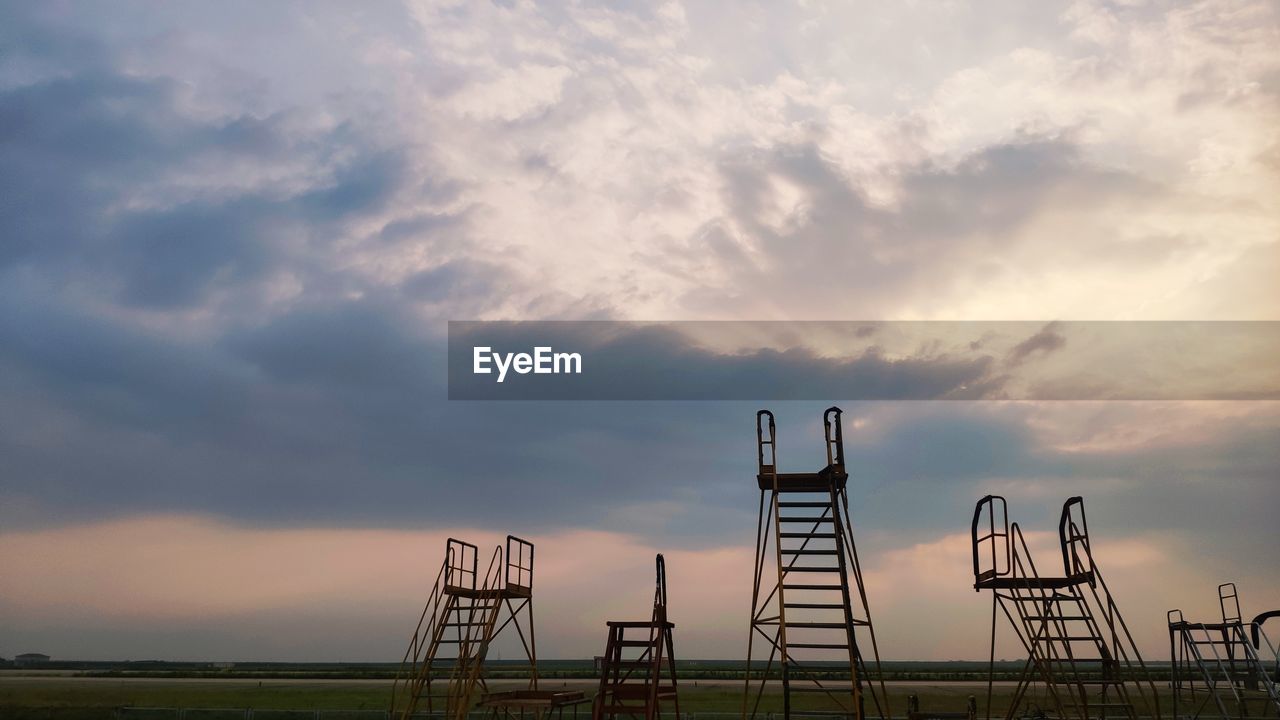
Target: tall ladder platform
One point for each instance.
(1082, 662)
(809, 604)
(638, 669)
(1229, 669)
(442, 669)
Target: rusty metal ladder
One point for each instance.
(1078, 646)
(807, 616)
(638, 674)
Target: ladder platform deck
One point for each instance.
(821, 481)
(1033, 583)
(510, 591)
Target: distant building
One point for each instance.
(29, 659)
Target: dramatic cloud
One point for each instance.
(230, 235)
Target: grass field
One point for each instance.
(69, 697)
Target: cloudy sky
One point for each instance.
(231, 235)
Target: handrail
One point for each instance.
(411, 675)
(1070, 535)
(1258, 634)
(1234, 597)
(472, 647)
(989, 502)
(660, 593)
(456, 554)
(1115, 619)
(761, 442)
(516, 560)
(836, 459)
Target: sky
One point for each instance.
(232, 234)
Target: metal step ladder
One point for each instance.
(638, 673)
(1082, 661)
(442, 669)
(810, 608)
(1227, 669)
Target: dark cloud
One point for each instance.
(953, 226)
(88, 159)
(1044, 342)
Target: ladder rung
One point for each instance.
(636, 643)
(815, 625)
(814, 606)
(1056, 617)
(810, 552)
(797, 519)
(1067, 638)
(828, 536)
(812, 587)
(810, 569)
(802, 504)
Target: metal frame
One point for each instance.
(460, 616)
(1077, 643)
(806, 609)
(637, 676)
(1228, 669)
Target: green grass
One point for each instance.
(78, 698)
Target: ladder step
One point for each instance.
(819, 646)
(815, 625)
(801, 504)
(815, 535)
(797, 519)
(810, 569)
(1068, 638)
(637, 643)
(812, 587)
(814, 606)
(1056, 617)
(810, 552)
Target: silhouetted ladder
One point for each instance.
(803, 603)
(443, 667)
(638, 671)
(1227, 669)
(1081, 655)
